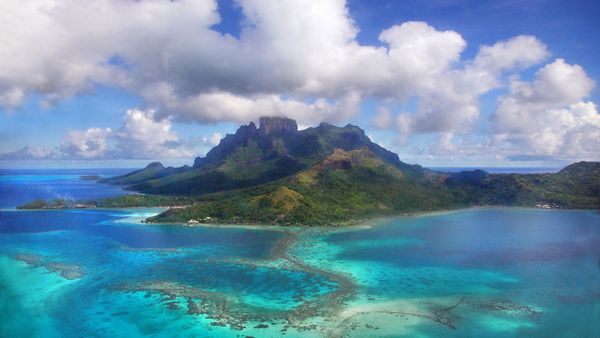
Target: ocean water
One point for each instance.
(19, 186)
(493, 272)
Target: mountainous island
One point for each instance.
(329, 175)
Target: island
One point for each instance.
(89, 177)
(328, 175)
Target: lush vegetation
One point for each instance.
(576, 186)
(126, 201)
(350, 186)
(57, 203)
(134, 201)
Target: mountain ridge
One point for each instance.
(255, 155)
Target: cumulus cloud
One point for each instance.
(295, 58)
(549, 116)
(448, 96)
(66, 46)
(224, 106)
(521, 51)
(12, 97)
(383, 118)
(418, 54)
(30, 153)
(142, 136)
(450, 146)
(86, 144)
(452, 103)
(213, 140)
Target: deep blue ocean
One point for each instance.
(480, 272)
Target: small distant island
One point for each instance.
(89, 177)
(326, 175)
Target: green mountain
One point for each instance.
(254, 156)
(344, 186)
(334, 175)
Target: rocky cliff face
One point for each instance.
(270, 128)
(277, 126)
(279, 136)
(229, 144)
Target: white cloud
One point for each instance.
(12, 97)
(418, 54)
(219, 106)
(404, 123)
(213, 140)
(86, 144)
(521, 51)
(293, 58)
(448, 96)
(383, 118)
(30, 153)
(143, 136)
(443, 145)
(65, 46)
(558, 83)
(549, 116)
(545, 119)
(451, 104)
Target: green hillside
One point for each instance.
(354, 185)
(576, 186)
(345, 186)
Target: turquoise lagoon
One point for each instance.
(493, 272)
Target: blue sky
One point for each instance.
(116, 89)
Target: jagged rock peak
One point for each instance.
(354, 127)
(155, 165)
(270, 125)
(243, 131)
(325, 125)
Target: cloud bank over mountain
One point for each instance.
(294, 58)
